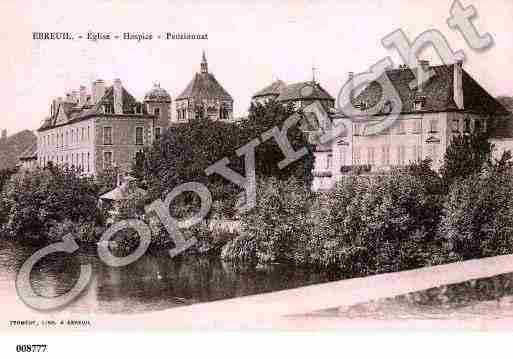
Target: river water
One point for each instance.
(154, 282)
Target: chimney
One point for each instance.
(118, 97)
(55, 105)
(74, 96)
(350, 77)
(4, 134)
(458, 84)
(98, 90)
(82, 97)
(424, 64)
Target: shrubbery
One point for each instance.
(370, 224)
(31, 203)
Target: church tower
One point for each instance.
(204, 64)
(204, 97)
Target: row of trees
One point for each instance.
(371, 224)
(185, 151)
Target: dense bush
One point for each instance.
(186, 150)
(274, 229)
(32, 202)
(465, 156)
(376, 224)
(366, 225)
(478, 214)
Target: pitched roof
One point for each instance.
(75, 114)
(204, 86)
(30, 152)
(273, 89)
(438, 92)
(304, 91)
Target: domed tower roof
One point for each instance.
(157, 94)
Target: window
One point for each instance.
(370, 154)
(400, 127)
(417, 128)
(433, 126)
(82, 162)
(107, 159)
(179, 114)
(467, 125)
(400, 155)
(455, 125)
(358, 129)
(357, 155)
(477, 126)
(72, 135)
(66, 138)
(88, 162)
(88, 134)
(223, 113)
(385, 154)
(108, 108)
(343, 156)
(329, 159)
(107, 136)
(139, 138)
(157, 133)
(83, 134)
(156, 112)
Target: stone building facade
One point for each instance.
(104, 128)
(204, 97)
(301, 94)
(450, 103)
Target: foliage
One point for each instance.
(272, 230)
(32, 202)
(186, 150)
(107, 180)
(5, 176)
(376, 224)
(263, 117)
(478, 214)
(465, 156)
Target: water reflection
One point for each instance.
(154, 282)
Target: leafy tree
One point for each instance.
(5, 175)
(34, 201)
(263, 117)
(186, 150)
(465, 156)
(272, 230)
(478, 214)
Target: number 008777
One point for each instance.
(33, 348)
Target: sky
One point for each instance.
(250, 44)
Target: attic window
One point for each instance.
(419, 102)
(108, 108)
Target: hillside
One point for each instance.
(13, 146)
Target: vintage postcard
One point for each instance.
(277, 165)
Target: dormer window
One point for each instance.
(108, 108)
(419, 102)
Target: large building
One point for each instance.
(204, 97)
(106, 127)
(301, 94)
(451, 102)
